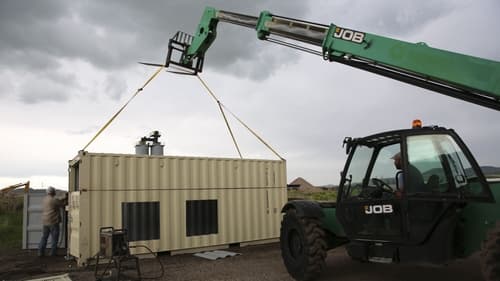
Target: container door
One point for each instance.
(32, 221)
(369, 208)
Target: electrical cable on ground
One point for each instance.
(111, 260)
(157, 257)
(123, 107)
(221, 106)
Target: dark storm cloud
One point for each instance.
(115, 86)
(54, 86)
(38, 37)
(41, 91)
(116, 34)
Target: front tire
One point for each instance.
(303, 246)
(490, 255)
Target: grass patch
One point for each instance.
(11, 222)
(11, 230)
(315, 195)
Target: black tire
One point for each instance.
(490, 255)
(303, 246)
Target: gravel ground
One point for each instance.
(255, 263)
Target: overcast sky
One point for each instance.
(68, 66)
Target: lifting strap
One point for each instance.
(221, 106)
(219, 103)
(123, 107)
(221, 111)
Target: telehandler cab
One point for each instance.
(436, 207)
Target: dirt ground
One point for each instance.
(255, 263)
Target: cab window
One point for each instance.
(360, 182)
(443, 166)
(384, 168)
(356, 172)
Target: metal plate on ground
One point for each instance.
(215, 255)
(62, 277)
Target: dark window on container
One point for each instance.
(141, 220)
(201, 217)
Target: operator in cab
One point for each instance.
(414, 176)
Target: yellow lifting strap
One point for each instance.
(219, 103)
(125, 105)
(221, 106)
(222, 112)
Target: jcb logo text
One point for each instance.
(349, 35)
(378, 209)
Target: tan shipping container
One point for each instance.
(175, 204)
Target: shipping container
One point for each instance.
(174, 204)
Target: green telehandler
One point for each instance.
(409, 195)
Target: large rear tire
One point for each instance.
(490, 255)
(303, 246)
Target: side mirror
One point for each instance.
(397, 182)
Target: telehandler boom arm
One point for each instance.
(468, 78)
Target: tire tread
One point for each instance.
(315, 247)
(490, 255)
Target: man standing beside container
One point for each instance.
(51, 218)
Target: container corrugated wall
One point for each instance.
(174, 203)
